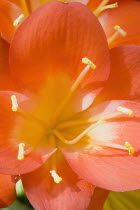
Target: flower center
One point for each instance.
(89, 123)
(39, 131)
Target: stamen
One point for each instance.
(78, 138)
(125, 110)
(103, 6)
(18, 20)
(21, 151)
(91, 120)
(75, 85)
(129, 148)
(14, 103)
(56, 177)
(111, 6)
(126, 146)
(119, 30)
(108, 144)
(73, 123)
(88, 62)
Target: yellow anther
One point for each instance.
(21, 151)
(120, 30)
(14, 103)
(129, 148)
(88, 62)
(103, 6)
(117, 27)
(56, 177)
(114, 5)
(110, 6)
(18, 20)
(125, 110)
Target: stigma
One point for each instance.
(18, 20)
(21, 151)
(14, 103)
(57, 179)
(125, 110)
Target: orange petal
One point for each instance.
(8, 13)
(10, 123)
(127, 16)
(41, 49)
(5, 80)
(17, 2)
(72, 193)
(99, 197)
(7, 191)
(125, 66)
(110, 168)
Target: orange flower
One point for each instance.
(57, 129)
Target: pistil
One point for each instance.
(79, 137)
(71, 123)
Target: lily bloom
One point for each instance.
(55, 133)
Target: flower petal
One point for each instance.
(10, 139)
(41, 49)
(5, 80)
(8, 13)
(7, 191)
(99, 197)
(109, 168)
(127, 17)
(71, 193)
(125, 66)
